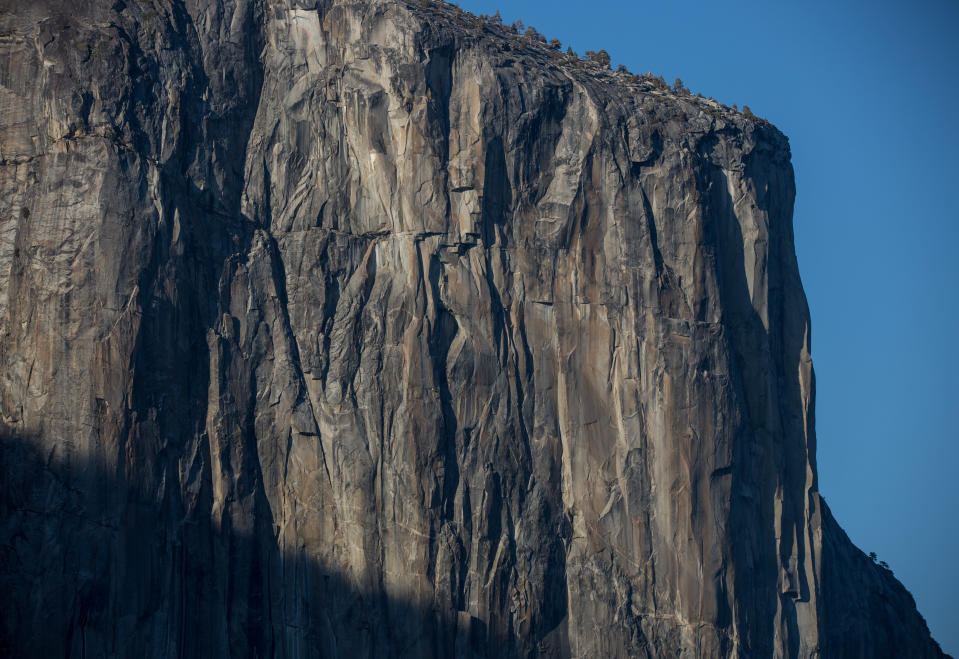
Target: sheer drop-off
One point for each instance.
(361, 329)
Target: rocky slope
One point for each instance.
(359, 328)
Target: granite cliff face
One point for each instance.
(366, 329)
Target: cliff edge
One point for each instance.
(361, 328)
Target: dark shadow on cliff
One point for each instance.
(762, 452)
(865, 607)
(864, 610)
(93, 567)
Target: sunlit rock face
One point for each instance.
(368, 329)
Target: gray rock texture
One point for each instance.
(359, 328)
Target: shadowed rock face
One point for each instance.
(362, 329)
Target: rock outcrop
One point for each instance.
(359, 328)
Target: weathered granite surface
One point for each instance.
(359, 328)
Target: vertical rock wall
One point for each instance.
(361, 328)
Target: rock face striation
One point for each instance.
(359, 328)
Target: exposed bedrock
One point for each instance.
(365, 329)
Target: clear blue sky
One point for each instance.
(868, 94)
